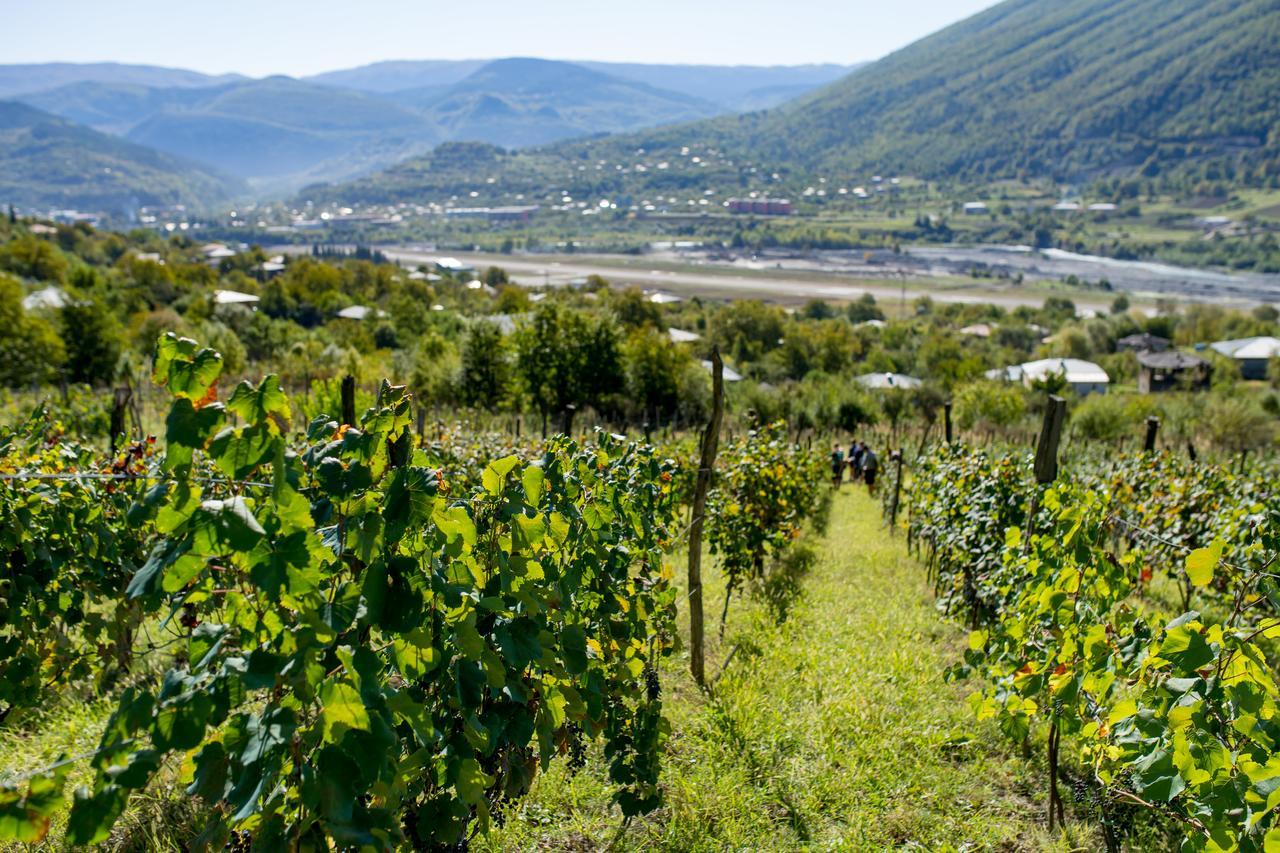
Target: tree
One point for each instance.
(30, 257)
(486, 367)
(653, 368)
(565, 360)
(93, 340)
(30, 349)
(988, 405)
(864, 309)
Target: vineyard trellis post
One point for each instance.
(119, 409)
(1153, 427)
(946, 419)
(1046, 471)
(349, 400)
(706, 462)
(897, 492)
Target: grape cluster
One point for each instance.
(652, 686)
(577, 748)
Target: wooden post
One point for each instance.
(518, 426)
(119, 409)
(1046, 470)
(897, 493)
(349, 400)
(1191, 449)
(1153, 427)
(422, 421)
(1046, 465)
(707, 461)
(946, 418)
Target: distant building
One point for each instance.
(975, 208)
(1084, 377)
(664, 298)
(234, 297)
(1102, 207)
(1162, 371)
(454, 267)
(50, 298)
(359, 312)
(978, 330)
(730, 375)
(516, 213)
(760, 206)
(888, 380)
(1253, 354)
(1142, 342)
(1067, 207)
(680, 336)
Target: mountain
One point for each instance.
(277, 132)
(46, 161)
(400, 76)
(1066, 89)
(22, 79)
(733, 87)
(729, 87)
(521, 102)
(1069, 88)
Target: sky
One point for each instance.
(300, 37)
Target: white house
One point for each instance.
(50, 297)
(680, 336)
(234, 297)
(1254, 354)
(730, 375)
(1084, 377)
(888, 380)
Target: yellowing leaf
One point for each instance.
(1202, 561)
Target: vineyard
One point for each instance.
(1128, 610)
(346, 633)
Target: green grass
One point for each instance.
(834, 730)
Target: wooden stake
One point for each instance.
(1153, 427)
(897, 493)
(707, 461)
(349, 400)
(946, 419)
(119, 409)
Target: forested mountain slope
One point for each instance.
(46, 161)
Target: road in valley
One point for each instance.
(724, 281)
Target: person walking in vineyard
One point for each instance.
(837, 466)
(870, 466)
(855, 460)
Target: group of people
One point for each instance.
(862, 461)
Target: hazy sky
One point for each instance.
(306, 36)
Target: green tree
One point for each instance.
(486, 367)
(653, 368)
(30, 349)
(93, 340)
(566, 359)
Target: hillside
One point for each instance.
(729, 87)
(278, 132)
(1067, 90)
(37, 77)
(46, 161)
(1062, 88)
(733, 87)
(520, 102)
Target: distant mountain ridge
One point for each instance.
(24, 79)
(46, 161)
(280, 133)
(729, 87)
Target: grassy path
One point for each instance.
(832, 731)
